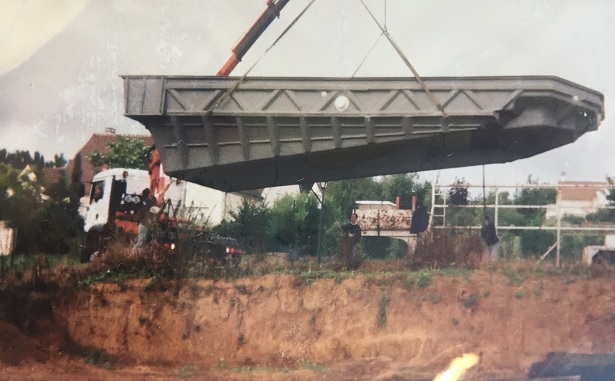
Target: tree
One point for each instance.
(344, 193)
(535, 242)
(458, 194)
(602, 215)
(123, 153)
(248, 224)
(534, 196)
(21, 159)
(77, 189)
(20, 204)
(61, 226)
(293, 223)
(506, 216)
(610, 213)
(39, 162)
(405, 186)
(58, 190)
(401, 186)
(572, 245)
(611, 195)
(58, 161)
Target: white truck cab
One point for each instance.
(113, 188)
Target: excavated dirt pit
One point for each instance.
(383, 326)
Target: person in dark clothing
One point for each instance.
(353, 232)
(420, 220)
(490, 236)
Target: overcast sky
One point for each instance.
(61, 60)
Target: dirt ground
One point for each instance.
(362, 326)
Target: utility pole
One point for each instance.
(323, 186)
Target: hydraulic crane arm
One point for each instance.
(157, 185)
(248, 39)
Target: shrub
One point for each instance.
(536, 242)
(187, 371)
(313, 366)
(470, 301)
(382, 310)
(448, 248)
(424, 279)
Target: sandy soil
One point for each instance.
(283, 327)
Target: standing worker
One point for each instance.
(352, 231)
(147, 216)
(490, 236)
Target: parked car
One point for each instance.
(230, 249)
(202, 247)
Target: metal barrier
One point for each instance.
(439, 209)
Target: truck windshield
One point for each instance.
(98, 191)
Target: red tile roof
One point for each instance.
(582, 190)
(52, 175)
(97, 142)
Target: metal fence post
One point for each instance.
(323, 186)
(559, 223)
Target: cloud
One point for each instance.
(29, 25)
(19, 136)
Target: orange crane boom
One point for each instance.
(248, 39)
(157, 185)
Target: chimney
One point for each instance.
(397, 202)
(562, 177)
(110, 130)
(413, 203)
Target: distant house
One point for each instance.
(97, 142)
(579, 198)
(214, 206)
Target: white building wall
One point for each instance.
(210, 206)
(575, 207)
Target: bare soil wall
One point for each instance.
(283, 320)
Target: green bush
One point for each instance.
(536, 242)
(572, 246)
(603, 215)
(424, 279)
(382, 310)
(396, 249)
(293, 225)
(248, 224)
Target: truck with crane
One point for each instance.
(117, 196)
(116, 205)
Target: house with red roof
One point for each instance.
(96, 143)
(579, 198)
